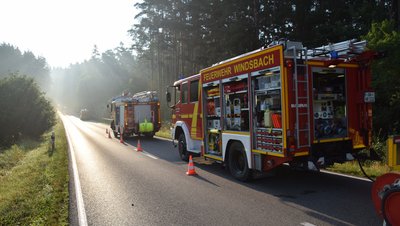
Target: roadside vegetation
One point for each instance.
(165, 130)
(34, 181)
(374, 162)
(373, 169)
(25, 112)
(33, 175)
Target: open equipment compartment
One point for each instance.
(212, 118)
(236, 103)
(267, 110)
(329, 103)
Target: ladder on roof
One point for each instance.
(302, 97)
(346, 49)
(150, 95)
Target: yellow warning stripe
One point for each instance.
(322, 64)
(213, 157)
(193, 130)
(237, 133)
(285, 107)
(301, 153)
(187, 116)
(267, 153)
(330, 140)
(348, 65)
(314, 63)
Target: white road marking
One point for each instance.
(344, 175)
(339, 174)
(163, 138)
(79, 198)
(307, 224)
(149, 155)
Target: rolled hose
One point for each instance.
(385, 194)
(389, 202)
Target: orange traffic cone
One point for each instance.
(191, 170)
(139, 147)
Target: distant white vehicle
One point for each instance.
(84, 114)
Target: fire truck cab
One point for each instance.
(280, 104)
(187, 116)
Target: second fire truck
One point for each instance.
(137, 114)
(280, 104)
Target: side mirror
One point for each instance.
(168, 96)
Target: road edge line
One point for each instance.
(345, 175)
(149, 155)
(79, 198)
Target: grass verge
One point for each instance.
(34, 182)
(372, 168)
(165, 131)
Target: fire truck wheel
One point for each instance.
(238, 162)
(183, 153)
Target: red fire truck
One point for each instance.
(280, 104)
(137, 114)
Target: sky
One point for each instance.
(65, 31)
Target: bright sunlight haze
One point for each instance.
(66, 31)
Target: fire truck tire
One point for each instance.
(183, 153)
(237, 162)
(112, 126)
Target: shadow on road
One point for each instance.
(335, 199)
(152, 145)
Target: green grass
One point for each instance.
(165, 131)
(34, 182)
(372, 168)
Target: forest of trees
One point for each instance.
(12, 61)
(174, 38)
(92, 83)
(181, 37)
(25, 112)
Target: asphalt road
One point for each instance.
(123, 187)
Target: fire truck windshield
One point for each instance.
(173, 92)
